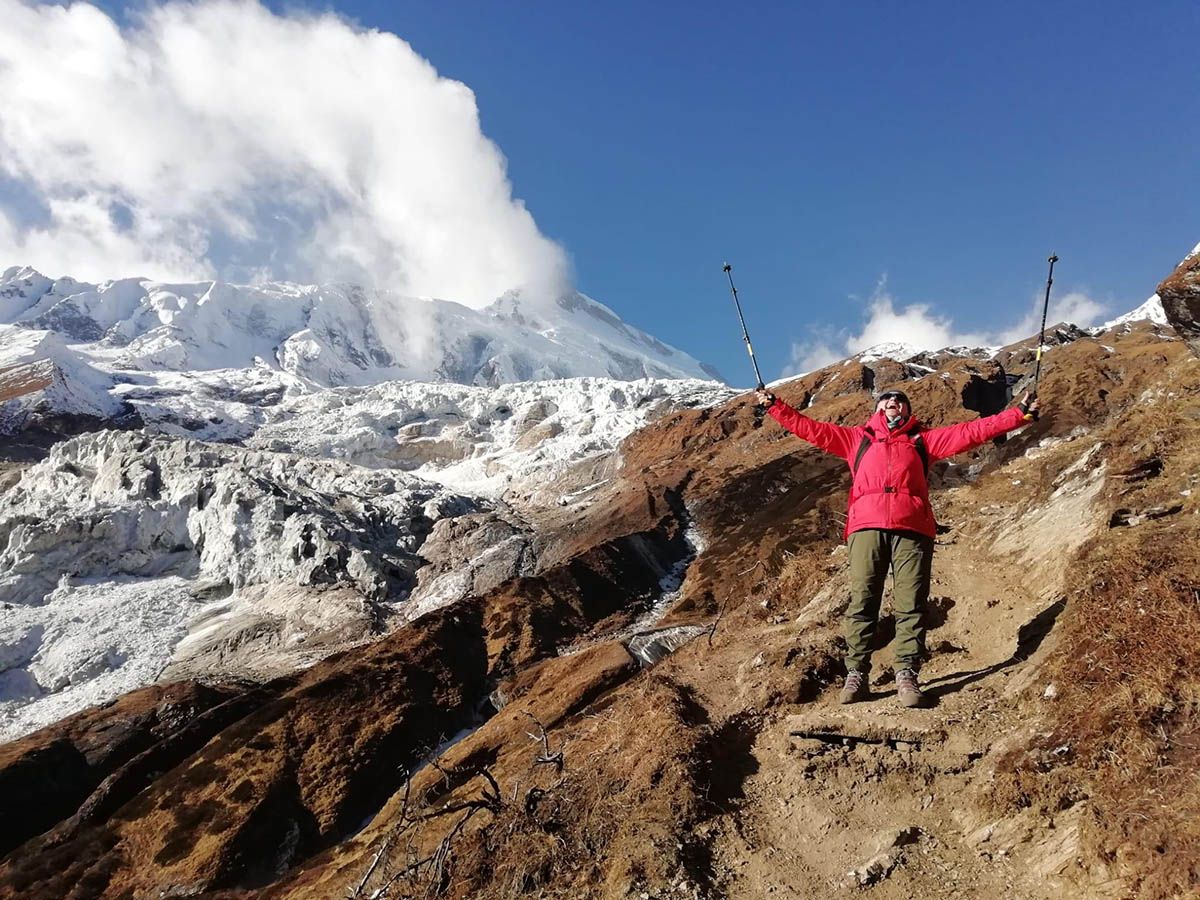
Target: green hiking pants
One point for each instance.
(910, 557)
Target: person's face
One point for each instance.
(892, 406)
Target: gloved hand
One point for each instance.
(1029, 406)
(765, 398)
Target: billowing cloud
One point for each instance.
(218, 139)
(919, 326)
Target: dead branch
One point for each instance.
(433, 867)
(436, 861)
(546, 758)
(439, 857)
(757, 563)
(494, 798)
(712, 629)
(386, 844)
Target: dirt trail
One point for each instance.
(839, 798)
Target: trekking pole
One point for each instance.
(745, 334)
(1037, 374)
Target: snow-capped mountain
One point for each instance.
(1151, 310)
(335, 334)
(314, 520)
(317, 395)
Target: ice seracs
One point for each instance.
(305, 531)
(509, 442)
(113, 525)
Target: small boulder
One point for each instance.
(873, 871)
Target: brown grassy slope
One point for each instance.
(1128, 705)
(540, 825)
(287, 778)
(49, 774)
(16, 381)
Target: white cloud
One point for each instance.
(920, 327)
(1075, 307)
(218, 139)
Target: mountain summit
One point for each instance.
(336, 334)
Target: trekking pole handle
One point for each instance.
(1026, 402)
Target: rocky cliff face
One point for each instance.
(515, 735)
(1180, 295)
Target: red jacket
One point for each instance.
(890, 489)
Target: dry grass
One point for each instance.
(1124, 731)
(615, 818)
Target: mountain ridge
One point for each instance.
(337, 333)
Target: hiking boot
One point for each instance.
(907, 688)
(855, 688)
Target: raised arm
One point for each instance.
(839, 440)
(948, 440)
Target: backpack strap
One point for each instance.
(923, 452)
(917, 442)
(862, 449)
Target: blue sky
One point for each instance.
(820, 146)
(868, 168)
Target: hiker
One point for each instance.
(890, 522)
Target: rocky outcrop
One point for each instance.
(1180, 296)
(470, 556)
